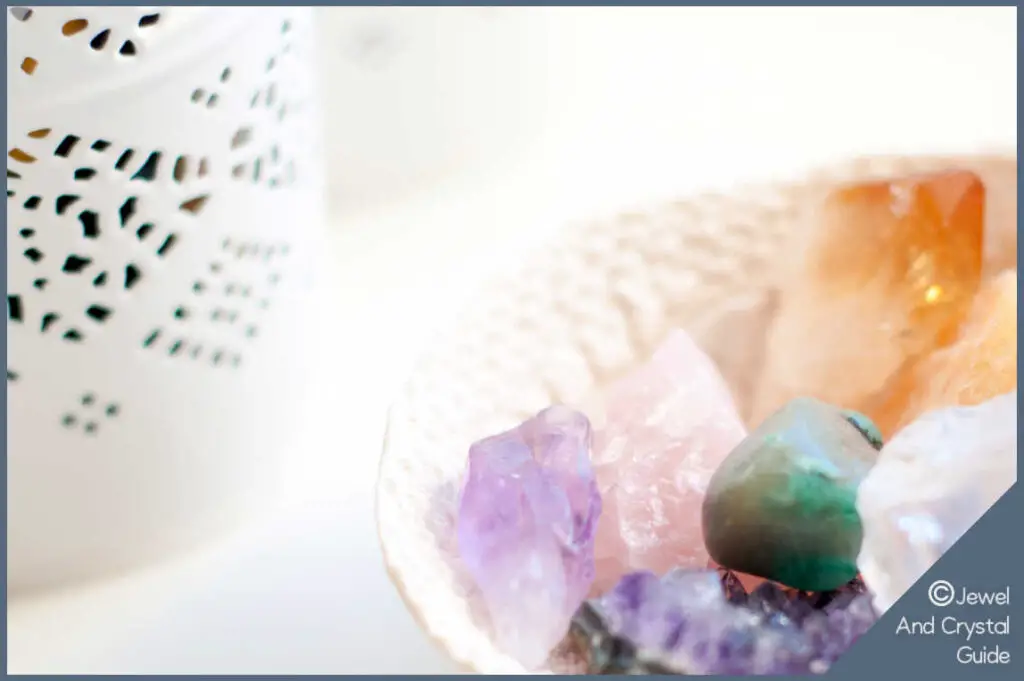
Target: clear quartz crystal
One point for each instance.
(932, 482)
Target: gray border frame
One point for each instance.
(517, 3)
(988, 558)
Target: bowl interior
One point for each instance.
(589, 307)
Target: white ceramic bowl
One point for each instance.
(593, 304)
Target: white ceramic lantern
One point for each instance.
(163, 206)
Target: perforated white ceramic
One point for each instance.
(591, 305)
(163, 205)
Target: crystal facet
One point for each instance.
(782, 505)
(888, 276)
(932, 482)
(684, 623)
(981, 364)
(526, 522)
(667, 426)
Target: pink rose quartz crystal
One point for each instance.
(666, 428)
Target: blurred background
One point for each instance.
(455, 139)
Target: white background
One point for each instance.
(457, 137)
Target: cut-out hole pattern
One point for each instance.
(75, 264)
(127, 210)
(87, 161)
(166, 246)
(89, 413)
(124, 159)
(98, 313)
(224, 313)
(14, 312)
(180, 169)
(235, 292)
(99, 41)
(90, 224)
(258, 157)
(194, 205)
(103, 37)
(74, 26)
(149, 169)
(66, 146)
(132, 274)
(241, 137)
(21, 156)
(64, 202)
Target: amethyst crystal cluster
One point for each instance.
(703, 622)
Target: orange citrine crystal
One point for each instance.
(980, 365)
(887, 277)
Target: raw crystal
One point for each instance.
(666, 428)
(683, 623)
(889, 274)
(527, 515)
(738, 593)
(733, 587)
(782, 505)
(778, 605)
(981, 364)
(843, 623)
(748, 582)
(841, 597)
(932, 482)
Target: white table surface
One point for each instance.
(632, 106)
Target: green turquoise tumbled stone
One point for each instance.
(783, 503)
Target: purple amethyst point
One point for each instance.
(528, 511)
